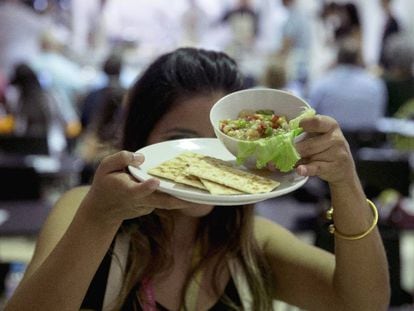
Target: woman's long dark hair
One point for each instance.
(182, 73)
(225, 231)
(33, 101)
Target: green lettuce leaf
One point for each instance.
(306, 113)
(279, 150)
(245, 150)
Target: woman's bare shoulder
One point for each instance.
(72, 197)
(265, 229)
(66, 207)
(78, 192)
(56, 224)
(272, 236)
(280, 244)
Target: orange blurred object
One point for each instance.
(73, 129)
(7, 124)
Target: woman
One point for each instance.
(34, 115)
(197, 257)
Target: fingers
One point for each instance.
(325, 152)
(271, 167)
(312, 169)
(313, 145)
(331, 165)
(135, 194)
(318, 124)
(120, 196)
(147, 187)
(119, 161)
(146, 195)
(164, 201)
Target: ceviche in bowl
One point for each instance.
(252, 125)
(260, 126)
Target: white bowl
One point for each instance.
(229, 106)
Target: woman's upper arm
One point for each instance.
(55, 226)
(303, 273)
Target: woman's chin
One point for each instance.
(198, 210)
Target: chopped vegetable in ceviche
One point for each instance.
(267, 136)
(252, 125)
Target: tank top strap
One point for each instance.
(118, 266)
(116, 270)
(240, 281)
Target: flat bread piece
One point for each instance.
(190, 180)
(211, 169)
(207, 173)
(174, 170)
(217, 189)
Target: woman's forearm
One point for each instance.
(361, 274)
(61, 281)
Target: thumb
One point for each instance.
(119, 161)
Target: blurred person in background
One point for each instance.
(296, 44)
(340, 21)
(330, 18)
(152, 26)
(37, 111)
(92, 101)
(391, 26)
(20, 31)
(121, 245)
(398, 74)
(348, 92)
(6, 118)
(349, 25)
(3, 85)
(98, 139)
(106, 122)
(196, 22)
(275, 77)
(101, 112)
(243, 20)
(400, 141)
(33, 114)
(62, 76)
(88, 31)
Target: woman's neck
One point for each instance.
(183, 240)
(185, 231)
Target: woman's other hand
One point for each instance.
(325, 153)
(115, 195)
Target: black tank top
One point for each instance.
(95, 295)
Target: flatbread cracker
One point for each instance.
(190, 180)
(208, 168)
(217, 189)
(214, 175)
(174, 170)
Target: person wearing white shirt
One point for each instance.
(348, 92)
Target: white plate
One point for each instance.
(157, 153)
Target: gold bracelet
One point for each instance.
(333, 230)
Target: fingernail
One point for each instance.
(271, 167)
(302, 170)
(138, 157)
(154, 184)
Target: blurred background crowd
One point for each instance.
(351, 60)
(65, 66)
